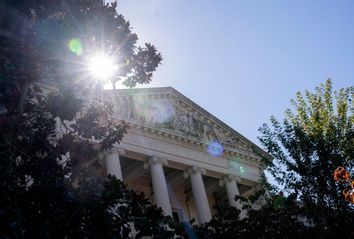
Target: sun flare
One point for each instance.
(102, 67)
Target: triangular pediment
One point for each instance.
(166, 111)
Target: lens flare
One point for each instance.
(102, 67)
(75, 46)
(235, 164)
(140, 106)
(215, 148)
(161, 112)
(242, 170)
(189, 230)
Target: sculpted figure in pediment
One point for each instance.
(209, 133)
(195, 126)
(123, 107)
(199, 128)
(185, 123)
(230, 142)
(130, 108)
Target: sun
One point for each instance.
(102, 67)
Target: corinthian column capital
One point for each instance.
(120, 151)
(193, 170)
(229, 178)
(152, 160)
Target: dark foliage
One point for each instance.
(52, 183)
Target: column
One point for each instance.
(159, 185)
(113, 163)
(230, 182)
(199, 193)
(232, 190)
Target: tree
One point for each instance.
(52, 137)
(278, 217)
(225, 223)
(314, 139)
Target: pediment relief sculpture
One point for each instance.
(168, 113)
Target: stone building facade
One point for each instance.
(179, 155)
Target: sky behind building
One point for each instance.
(244, 60)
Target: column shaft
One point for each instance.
(113, 165)
(160, 187)
(200, 197)
(232, 191)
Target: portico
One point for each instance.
(167, 153)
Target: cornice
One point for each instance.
(229, 153)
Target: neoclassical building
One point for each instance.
(179, 155)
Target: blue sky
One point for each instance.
(244, 60)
